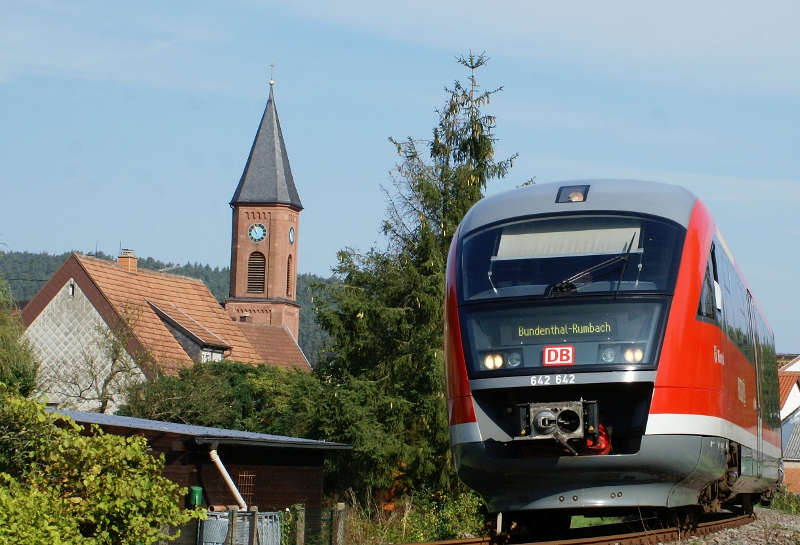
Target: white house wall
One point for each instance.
(65, 335)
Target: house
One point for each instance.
(98, 326)
(271, 472)
(788, 379)
(791, 454)
(783, 359)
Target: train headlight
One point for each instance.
(608, 355)
(572, 193)
(621, 353)
(513, 359)
(493, 361)
(633, 355)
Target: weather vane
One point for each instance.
(271, 75)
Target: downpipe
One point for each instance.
(226, 477)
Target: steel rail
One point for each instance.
(468, 541)
(646, 537)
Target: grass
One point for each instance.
(579, 521)
(416, 519)
(786, 502)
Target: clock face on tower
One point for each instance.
(257, 232)
(291, 235)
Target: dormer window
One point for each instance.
(210, 354)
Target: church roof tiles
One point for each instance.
(267, 177)
(274, 344)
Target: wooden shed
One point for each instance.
(272, 472)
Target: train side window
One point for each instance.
(717, 288)
(735, 317)
(707, 306)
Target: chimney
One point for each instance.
(127, 260)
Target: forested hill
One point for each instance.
(26, 272)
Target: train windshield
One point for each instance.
(569, 293)
(571, 256)
(562, 336)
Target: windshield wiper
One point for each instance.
(624, 267)
(567, 285)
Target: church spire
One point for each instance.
(265, 232)
(267, 177)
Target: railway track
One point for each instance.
(646, 537)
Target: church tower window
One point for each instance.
(256, 268)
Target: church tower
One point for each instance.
(265, 234)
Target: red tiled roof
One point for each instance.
(187, 301)
(785, 383)
(275, 345)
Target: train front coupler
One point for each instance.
(562, 422)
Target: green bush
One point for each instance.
(436, 518)
(108, 487)
(27, 432)
(288, 521)
(35, 517)
(787, 502)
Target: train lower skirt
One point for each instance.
(667, 471)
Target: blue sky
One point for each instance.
(129, 123)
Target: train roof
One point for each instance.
(668, 201)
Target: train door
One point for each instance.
(756, 348)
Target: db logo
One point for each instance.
(558, 355)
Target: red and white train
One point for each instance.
(603, 352)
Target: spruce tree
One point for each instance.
(385, 316)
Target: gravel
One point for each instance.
(769, 528)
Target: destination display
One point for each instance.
(542, 335)
(544, 331)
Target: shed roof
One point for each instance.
(201, 434)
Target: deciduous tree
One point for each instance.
(18, 363)
(232, 395)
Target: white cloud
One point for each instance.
(718, 44)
